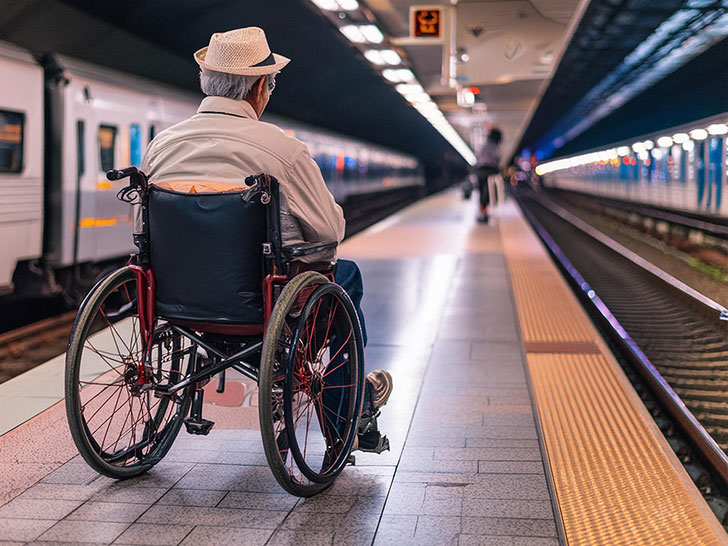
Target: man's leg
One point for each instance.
(348, 276)
(376, 386)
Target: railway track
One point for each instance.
(675, 337)
(26, 347)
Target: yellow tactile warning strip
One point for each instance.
(615, 480)
(614, 483)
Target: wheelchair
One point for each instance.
(211, 288)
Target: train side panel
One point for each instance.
(21, 162)
(105, 125)
(684, 168)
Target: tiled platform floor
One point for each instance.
(465, 466)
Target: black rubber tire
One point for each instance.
(352, 331)
(268, 366)
(83, 439)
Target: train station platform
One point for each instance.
(510, 423)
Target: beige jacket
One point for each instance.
(224, 142)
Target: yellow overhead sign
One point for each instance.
(426, 21)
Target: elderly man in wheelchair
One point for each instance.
(234, 270)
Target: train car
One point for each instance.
(67, 225)
(683, 168)
(21, 161)
(352, 167)
(100, 120)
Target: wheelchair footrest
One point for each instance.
(198, 426)
(373, 442)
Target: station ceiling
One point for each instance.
(326, 84)
(541, 66)
(619, 56)
(506, 48)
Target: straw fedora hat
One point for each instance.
(243, 51)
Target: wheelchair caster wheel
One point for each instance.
(351, 460)
(201, 427)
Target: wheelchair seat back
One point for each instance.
(206, 253)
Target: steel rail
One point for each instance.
(689, 220)
(704, 442)
(36, 328)
(633, 257)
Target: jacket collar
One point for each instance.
(224, 105)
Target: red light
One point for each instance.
(625, 161)
(475, 90)
(633, 161)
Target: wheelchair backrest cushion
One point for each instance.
(206, 251)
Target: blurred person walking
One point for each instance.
(488, 157)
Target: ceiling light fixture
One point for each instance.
(396, 75)
(374, 56)
(390, 56)
(372, 33)
(348, 5)
(335, 5)
(353, 33)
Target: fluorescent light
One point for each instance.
(664, 142)
(718, 129)
(405, 74)
(657, 153)
(409, 88)
(390, 56)
(348, 5)
(680, 138)
(335, 5)
(395, 75)
(648, 144)
(374, 56)
(372, 33)
(644, 155)
(353, 33)
(328, 5)
(699, 134)
(638, 147)
(688, 145)
(418, 97)
(623, 151)
(391, 75)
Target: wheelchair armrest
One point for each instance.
(304, 249)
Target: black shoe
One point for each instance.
(483, 218)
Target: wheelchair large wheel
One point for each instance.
(118, 424)
(311, 384)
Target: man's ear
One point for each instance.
(260, 84)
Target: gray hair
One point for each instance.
(232, 86)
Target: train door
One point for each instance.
(21, 162)
(715, 172)
(108, 137)
(700, 171)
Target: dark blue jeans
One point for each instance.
(347, 276)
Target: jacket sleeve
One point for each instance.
(311, 202)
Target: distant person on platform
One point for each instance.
(488, 157)
(224, 142)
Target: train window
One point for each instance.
(107, 145)
(135, 145)
(152, 132)
(12, 125)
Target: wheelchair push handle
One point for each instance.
(118, 174)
